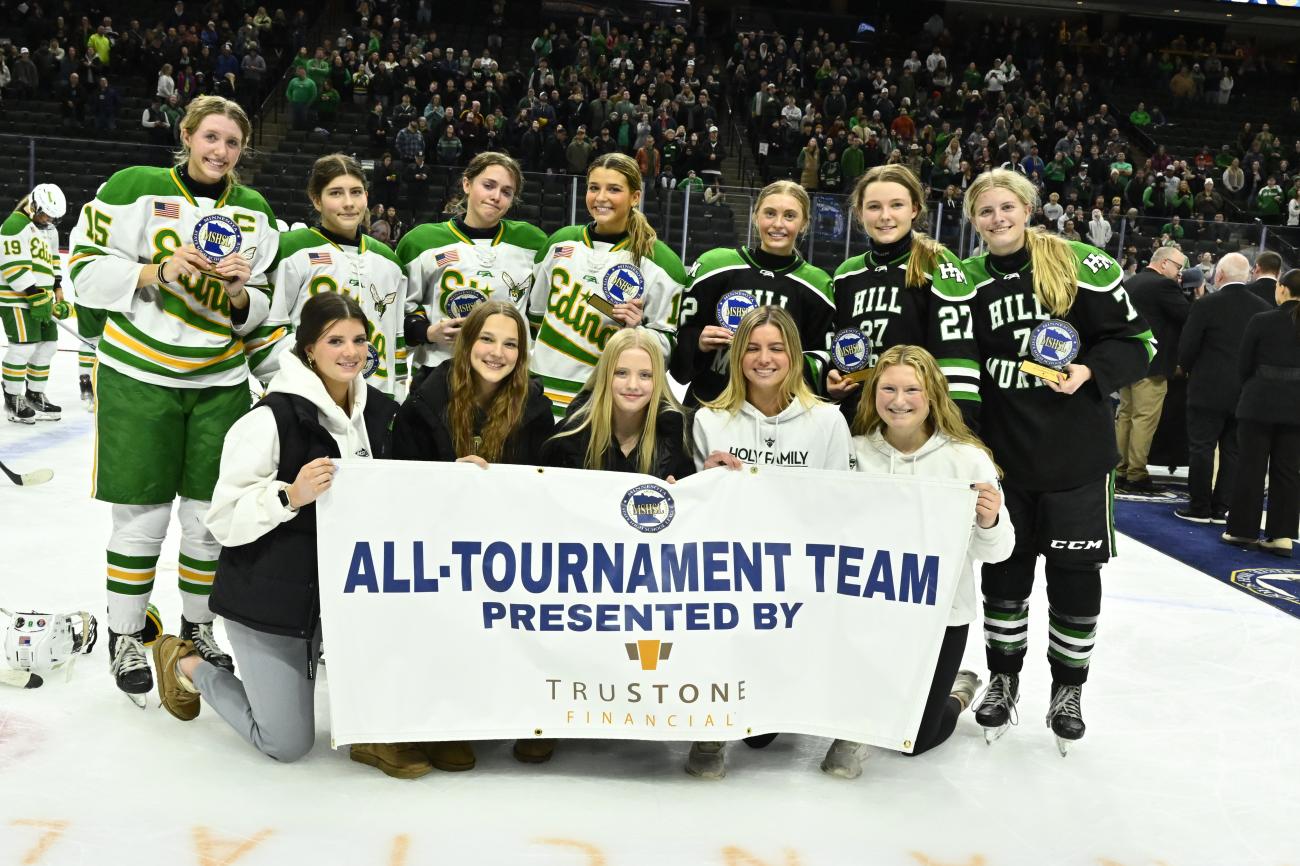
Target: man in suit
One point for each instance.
(1156, 294)
(1267, 267)
(1207, 353)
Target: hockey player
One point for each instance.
(477, 255)
(768, 416)
(728, 281)
(178, 257)
(1055, 441)
(908, 423)
(30, 291)
(336, 256)
(906, 289)
(591, 280)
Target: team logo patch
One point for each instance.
(1280, 587)
(462, 302)
(217, 236)
(733, 306)
(372, 362)
(648, 508)
(851, 350)
(622, 283)
(518, 290)
(1054, 343)
(381, 302)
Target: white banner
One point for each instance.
(463, 603)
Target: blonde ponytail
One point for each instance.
(641, 236)
(924, 258)
(1056, 271)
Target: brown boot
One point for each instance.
(534, 751)
(178, 694)
(449, 756)
(399, 760)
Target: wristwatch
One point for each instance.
(284, 499)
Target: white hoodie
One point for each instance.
(802, 437)
(246, 502)
(940, 457)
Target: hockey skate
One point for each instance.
(707, 760)
(130, 667)
(205, 643)
(997, 709)
(1065, 716)
(87, 392)
(844, 759)
(44, 409)
(17, 410)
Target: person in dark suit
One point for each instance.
(1207, 353)
(1267, 266)
(1268, 432)
(1156, 294)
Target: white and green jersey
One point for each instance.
(29, 258)
(310, 263)
(571, 334)
(178, 334)
(448, 273)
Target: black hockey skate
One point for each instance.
(130, 666)
(87, 392)
(200, 633)
(44, 409)
(17, 410)
(1065, 716)
(997, 709)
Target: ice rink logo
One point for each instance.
(648, 508)
(1278, 586)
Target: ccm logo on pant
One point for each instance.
(1058, 544)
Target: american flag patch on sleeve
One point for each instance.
(562, 253)
(319, 259)
(169, 210)
(447, 258)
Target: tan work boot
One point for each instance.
(534, 751)
(178, 694)
(450, 756)
(399, 760)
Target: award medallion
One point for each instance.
(851, 354)
(216, 236)
(1053, 345)
(372, 362)
(622, 283)
(732, 307)
(462, 302)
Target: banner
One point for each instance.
(468, 603)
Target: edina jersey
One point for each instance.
(571, 334)
(310, 263)
(721, 276)
(29, 258)
(179, 334)
(448, 272)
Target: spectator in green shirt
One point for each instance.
(1124, 167)
(1139, 117)
(853, 163)
(318, 69)
(327, 105)
(1269, 201)
(829, 173)
(691, 182)
(301, 94)
(1173, 228)
(100, 44)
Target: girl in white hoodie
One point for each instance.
(277, 460)
(910, 426)
(766, 416)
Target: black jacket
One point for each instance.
(1263, 288)
(1211, 341)
(270, 585)
(422, 428)
(1269, 366)
(1163, 304)
(672, 454)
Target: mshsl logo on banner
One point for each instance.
(521, 602)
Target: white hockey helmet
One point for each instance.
(43, 642)
(48, 199)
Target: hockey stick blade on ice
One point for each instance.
(19, 679)
(28, 479)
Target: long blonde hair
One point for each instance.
(641, 236)
(944, 417)
(795, 191)
(1056, 270)
(793, 386)
(507, 407)
(477, 166)
(204, 106)
(926, 251)
(597, 414)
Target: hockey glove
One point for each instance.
(62, 309)
(41, 302)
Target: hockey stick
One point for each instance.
(28, 479)
(68, 329)
(20, 679)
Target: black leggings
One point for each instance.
(941, 708)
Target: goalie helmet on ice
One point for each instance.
(43, 642)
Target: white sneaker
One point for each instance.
(707, 760)
(844, 759)
(964, 687)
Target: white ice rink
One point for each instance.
(1192, 756)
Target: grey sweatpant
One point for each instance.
(273, 705)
